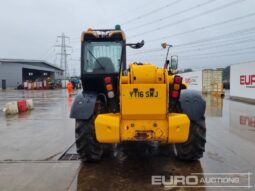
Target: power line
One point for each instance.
(212, 53)
(172, 15)
(46, 53)
(250, 40)
(206, 27)
(225, 43)
(221, 42)
(220, 65)
(205, 39)
(63, 53)
(194, 50)
(226, 51)
(219, 37)
(218, 55)
(241, 41)
(190, 18)
(151, 12)
(206, 56)
(124, 15)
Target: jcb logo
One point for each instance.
(151, 93)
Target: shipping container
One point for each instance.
(193, 79)
(242, 81)
(206, 81)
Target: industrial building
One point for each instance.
(13, 72)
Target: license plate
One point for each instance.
(143, 93)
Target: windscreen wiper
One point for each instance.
(96, 60)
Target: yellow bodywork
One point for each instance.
(144, 116)
(139, 101)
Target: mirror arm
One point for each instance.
(167, 62)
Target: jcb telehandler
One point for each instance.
(138, 103)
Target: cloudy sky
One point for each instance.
(204, 33)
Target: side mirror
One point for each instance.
(136, 45)
(174, 63)
(140, 44)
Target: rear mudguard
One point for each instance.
(193, 104)
(84, 105)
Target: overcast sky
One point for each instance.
(204, 33)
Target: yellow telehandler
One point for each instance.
(138, 103)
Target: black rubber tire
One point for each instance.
(89, 149)
(194, 148)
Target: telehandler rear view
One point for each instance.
(138, 103)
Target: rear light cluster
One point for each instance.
(176, 88)
(109, 87)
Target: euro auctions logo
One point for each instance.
(216, 180)
(247, 80)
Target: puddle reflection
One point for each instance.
(242, 116)
(214, 105)
(132, 168)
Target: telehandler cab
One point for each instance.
(139, 103)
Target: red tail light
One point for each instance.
(175, 94)
(109, 87)
(177, 79)
(108, 80)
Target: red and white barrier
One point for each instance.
(18, 106)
